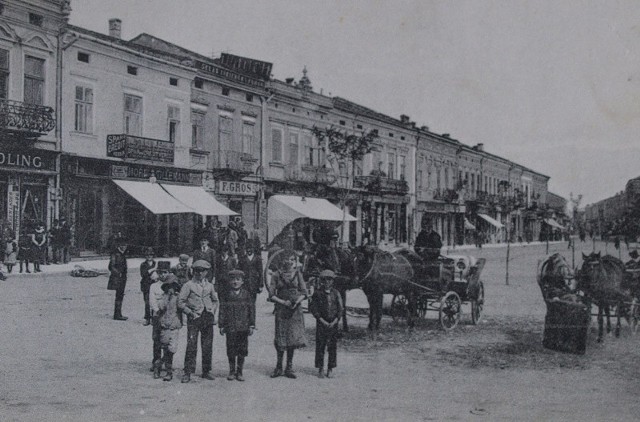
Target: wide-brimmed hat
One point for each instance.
(201, 264)
(163, 266)
(327, 274)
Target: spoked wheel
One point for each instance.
(421, 306)
(477, 305)
(399, 308)
(450, 307)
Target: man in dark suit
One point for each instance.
(428, 242)
(250, 263)
(205, 253)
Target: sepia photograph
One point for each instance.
(340, 210)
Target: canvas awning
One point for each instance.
(553, 223)
(283, 209)
(491, 221)
(199, 200)
(153, 197)
(468, 225)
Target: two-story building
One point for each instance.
(29, 34)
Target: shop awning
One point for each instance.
(468, 225)
(153, 197)
(199, 200)
(283, 209)
(553, 223)
(491, 221)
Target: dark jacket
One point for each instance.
(237, 312)
(252, 273)
(118, 269)
(183, 274)
(223, 266)
(146, 281)
(428, 244)
(327, 306)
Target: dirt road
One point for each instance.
(63, 358)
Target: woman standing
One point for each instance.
(287, 290)
(38, 247)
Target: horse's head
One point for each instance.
(590, 265)
(363, 257)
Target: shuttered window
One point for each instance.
(33, 80)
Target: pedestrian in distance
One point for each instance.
(287, 290)
(182, 270)
(199, 302)
(11, 253)
(24, 251)
(226, 262)
(326, 307)
(64, 234)
(38, 247)
(158, 276)
(231, 238)
(55, 241)
(118, 277)
(237, 321)
(169, 325)
(251, 264)
(205, 253)
(147, 267)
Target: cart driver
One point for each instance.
(428, 242)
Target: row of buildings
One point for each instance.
(91, 121)
(610, 215)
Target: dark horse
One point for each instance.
(602, 279)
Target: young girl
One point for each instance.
(38, 247)
(24, 251)
(11, 253)
(287, 289)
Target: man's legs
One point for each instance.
(206, 345)
(192, 347)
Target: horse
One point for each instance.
(602, 278)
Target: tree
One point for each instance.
(344, 149)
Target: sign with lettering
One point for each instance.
(137, 148)
(166, 174)
(13, 207)
(226, 187)
(228, 74)
(29, 160)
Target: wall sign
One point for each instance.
(166, 174)
(134, 147)
(226, 187)
(29, 160)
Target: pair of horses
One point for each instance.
(604, 282)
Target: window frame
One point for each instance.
(41, 79)
(86, 109)
(248, 137)
(173, 123)
(198, 126)
(277, 158)
(5, 73)
(139, 116)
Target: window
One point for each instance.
(132, 70)
(84, 110)
(276, 145)
(132, 115)
(247, 137)
(342, 123)
(438, 184)
(4, 74)
(420, 176)
(402, 164)
(225, 132)
(391, 165)
(293, 149)
(308, 151)
(35, 19)
(359, 167)
(173, 81)
(249, 97)
(359, 126)
(225, 91)
(199, 83)
(173, 119)
(402, 138)
(83, 57)
(33, 80)
(446, 178)
(390, 134)
(197, 130)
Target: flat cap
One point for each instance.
(236, 272)
(184, 256)
(327, 274)
(201, 263)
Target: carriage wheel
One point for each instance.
(450, 307)
(477, 305)
(421, 306)
(399, 308)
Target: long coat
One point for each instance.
(145, 281)
(252, 269)
(118, 269)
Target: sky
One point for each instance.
(552, 85)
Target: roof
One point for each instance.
(351, 107)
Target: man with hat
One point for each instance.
(158, 275)
(205, 253)
(251, 264)
(428, 242)
(199, 302)
(147, 267)
(118, 277)
(237, 322)
(182, 270)
(326, 306)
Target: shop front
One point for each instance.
(447, 219)
(148, 212)
(242, 197)
(27, 188)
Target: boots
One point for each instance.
(117, 311)
(278, 371)
(156, 369)
(168, 365)
(288, 372)
(239, 376)
(232, 369)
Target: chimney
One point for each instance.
(404, 119)
(424, 128)
(479, 148)
(115, 28)
(445, 135)
(289, 81)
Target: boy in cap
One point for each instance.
(199, 302)
(158, 276)
(182, 270)
(147, 267)
(205, 253)
(237, 322)
(169, 323)
(326, 307)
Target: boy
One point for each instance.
(326, 307)
(170, 322)
(182, 270)
(158, 276)
(237, 320)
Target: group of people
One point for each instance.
(220, 287)
(38, 246)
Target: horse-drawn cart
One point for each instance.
(442, 286)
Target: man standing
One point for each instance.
(54, 241)
(428, 242)
(118, 277)
(199, 302)
(251, 264)
(205, 253)
(65, 239)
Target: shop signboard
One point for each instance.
(227, 187)
(138, 148)
(30, 160)
(162, 174)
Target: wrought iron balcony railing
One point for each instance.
(241, 162)
(311, 174)
(28, 120)
(381, 184)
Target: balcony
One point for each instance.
(25, 121)
(446, 195)
(130, 147)
(233, 161)
(309, 174)
(381, 185)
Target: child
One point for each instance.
(170, 322)
(182, 270)
(24, 251)
(158, 276)
(326, 307)
(237, 320)
(147, 267)
(10, 253)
